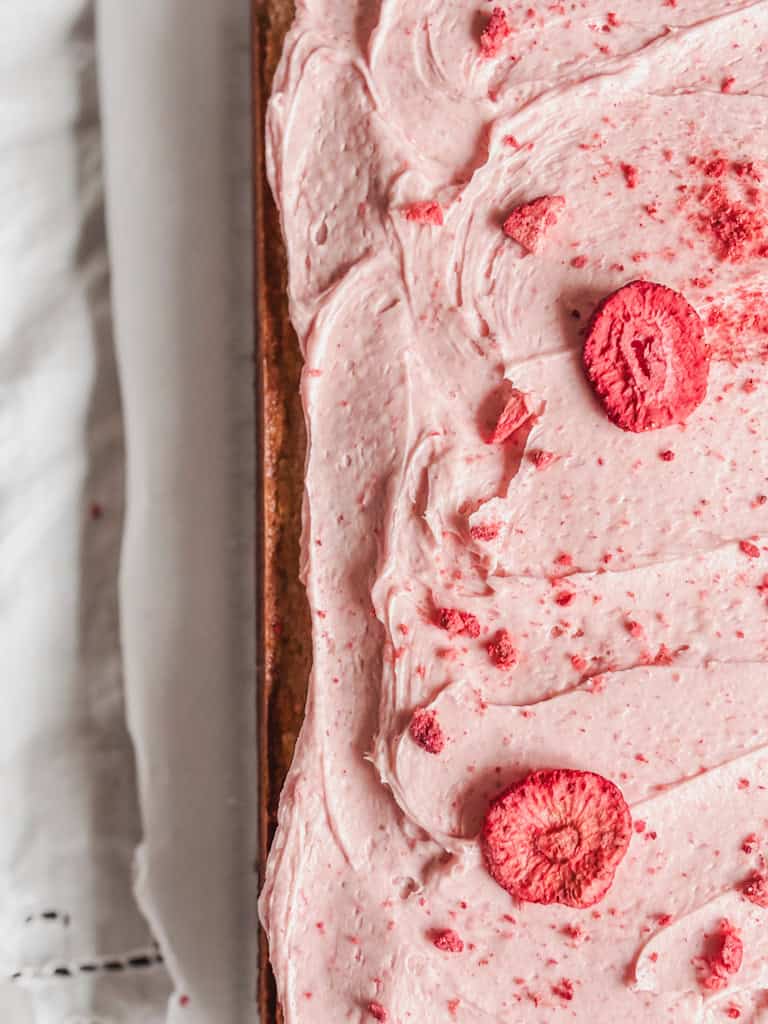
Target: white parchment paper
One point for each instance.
(69, 922)
(175, 78)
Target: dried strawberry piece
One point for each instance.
(515, 412)
(726, 960)
(529, 223)
(427, 731)
(502, 650)
(557, 837)
(448, 941)
(756, 890)
(541, 458)
(497, 29)
(646, 357)
(457, 622)
(377, 1011)
(428, 211)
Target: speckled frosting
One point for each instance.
(611, 587)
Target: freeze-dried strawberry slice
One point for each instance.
(557, 837)
(529, 223)
(646, 357)
(427, 731)
(727, 958)
(457, 622)
(497, 29)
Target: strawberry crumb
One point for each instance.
(529, 223)
(377, 1011)
(502, 650)
(579, 261)
(448, 941)
(630, 175)
(667, 456)
(726, 960)
(564, 598)
(727, 84)
(429, 211)
(756, 890)
(457, 623)
(426, 731)
(749, 549)
(485, 531)
(495, 32)
(736, 230)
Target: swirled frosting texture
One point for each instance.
(629, 570)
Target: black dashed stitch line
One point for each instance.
(87, 967)
(140, 961)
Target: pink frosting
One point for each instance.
(629, 570)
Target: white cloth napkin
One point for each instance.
(174, 129)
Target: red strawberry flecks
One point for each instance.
(727, 959)
(530, 223)
(749, 549)
(458, 623)
(377, 1011)
(497, 29)
(485, 531)
(428, 211)
(448, 941)
(646, 357)
(427, 732)
(630, 175)
(563, 989)
(502, 650)
(557, 837)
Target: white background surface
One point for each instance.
(175, 111)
